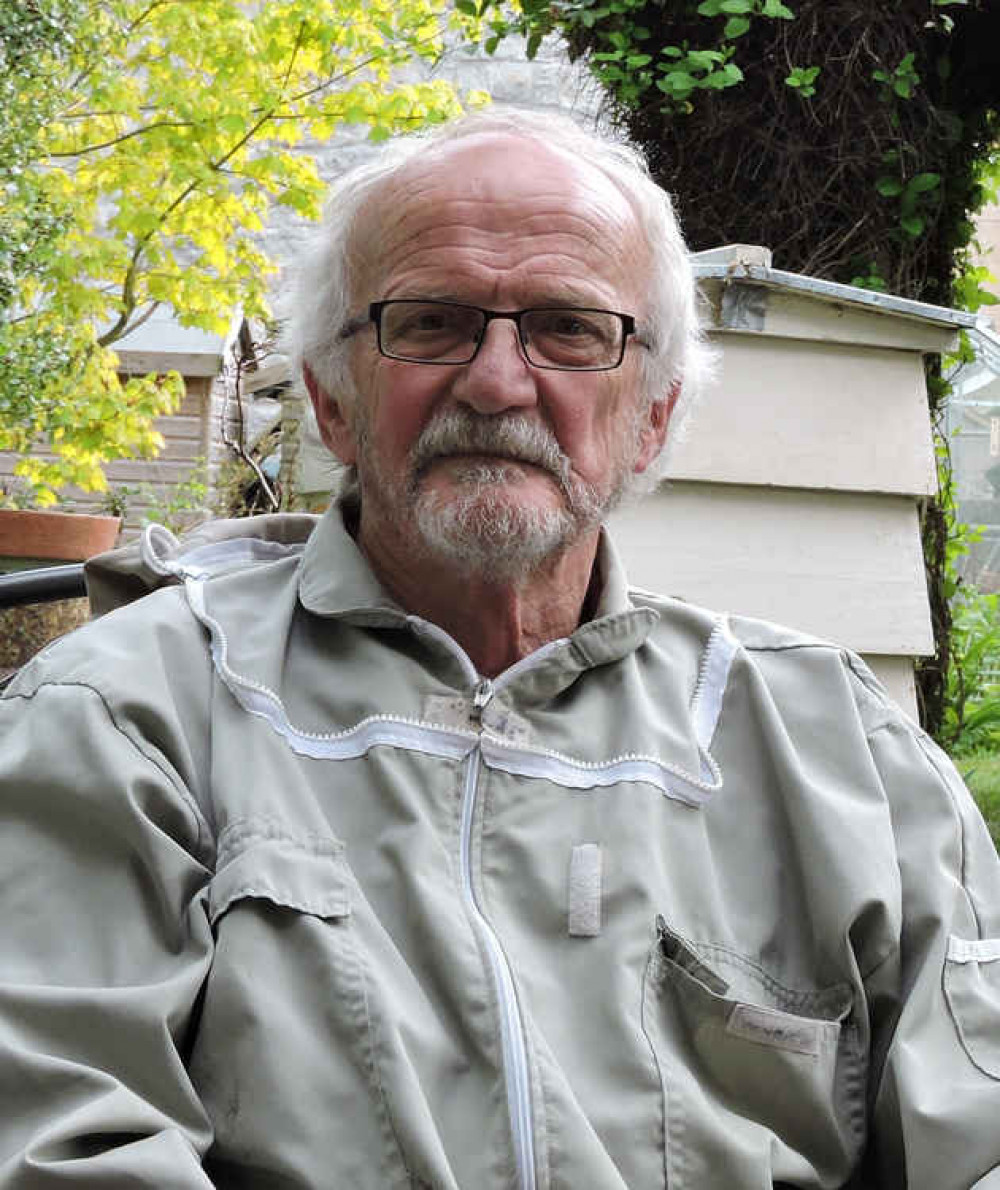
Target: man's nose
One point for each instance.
(499, 377)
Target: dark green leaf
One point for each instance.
(924, 182)
(678, 82)
(889, 187)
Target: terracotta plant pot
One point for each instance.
(29, 538)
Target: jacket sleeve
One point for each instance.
(104, 946)
(936, 1111)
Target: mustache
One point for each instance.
(506, 436)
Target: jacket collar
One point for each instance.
(336, 580)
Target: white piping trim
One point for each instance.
(582, 774)
(453, 743)
(394, 731)
(706, 706)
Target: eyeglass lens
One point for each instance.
(442, 332)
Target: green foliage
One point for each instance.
(141, 147)
(55, 384)
(971, 705)
(961, 677)
(802, 79)
(972, 713)
(870, 279)
(970, 278)
(846, 136)
(177, 506)
(980, 769)
(903, 79)
(617, 33)
(911, 194)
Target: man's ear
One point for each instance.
(334, 428)
(654, 432)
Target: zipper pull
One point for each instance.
(481, 698)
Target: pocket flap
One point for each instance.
(261, 860)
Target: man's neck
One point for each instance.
(496, 623)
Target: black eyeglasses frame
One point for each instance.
(374, 315)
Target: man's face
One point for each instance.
(496, 459)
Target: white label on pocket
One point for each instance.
(776, 1029)
(980, 950)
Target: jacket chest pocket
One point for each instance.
(258, 861)
(761, 1083)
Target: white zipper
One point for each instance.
(514, 1047)
(513, 1044)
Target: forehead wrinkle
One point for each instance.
(592, 220)
(430, 230)
(506, 253)
(497, 237)
(540, 279)
(550, 260)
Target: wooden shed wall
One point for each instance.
(190, 437)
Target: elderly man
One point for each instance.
(414, 849)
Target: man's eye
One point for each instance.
(433, 322)
(567, 325)
(426, 322)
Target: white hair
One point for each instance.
(323, 293)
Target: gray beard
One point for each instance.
(487, 534)
(481, 528)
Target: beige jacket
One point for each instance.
(292, 898)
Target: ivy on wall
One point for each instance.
(852, 138)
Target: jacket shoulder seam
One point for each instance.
(203, 835)
(793, 646)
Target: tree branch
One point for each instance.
(124, 137)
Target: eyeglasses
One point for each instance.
(562, 338)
